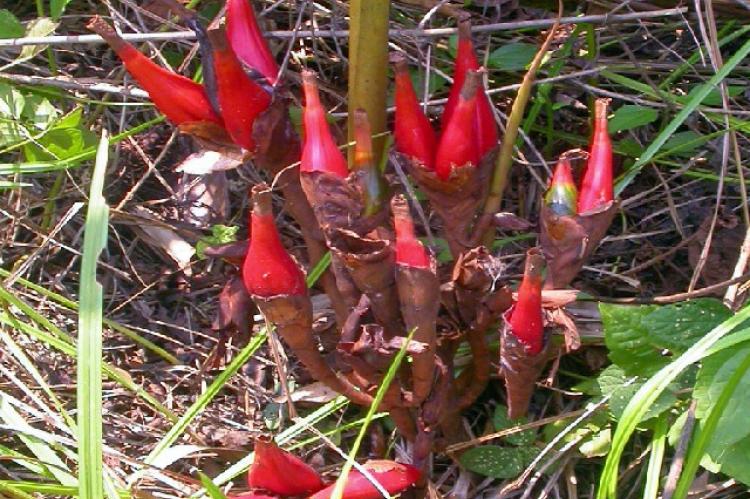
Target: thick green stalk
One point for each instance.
(368, 67)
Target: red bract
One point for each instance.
(409, 250)
(247, 40)
(466, 60)
(268, 270)
(241, 99)
(280, 472)
(458, 147)
(562, 196)
(393, 477)
(180, 99)
(597, 187)
(319, 152)
(413, 133)
(526, 320)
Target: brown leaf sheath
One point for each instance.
(568, 241)
(419, 294)
(456, 200)
(292, 316)
(519, 369)
(371, 265)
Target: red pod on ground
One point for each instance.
(180, 99)
(413, 132)
(268, 269)
(562, 195)
(392, 476)
(526, 319)
(280, 472)
(466, 60)
(458, 146)
(319, 152)
(247, 40)
(597, 187)
(241, 99)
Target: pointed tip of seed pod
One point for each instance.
(562, 194)
(526, 320)
(410, 251)
(464, 26)
(261, 199)
(601, 108)
(399, 61)
(102, 28)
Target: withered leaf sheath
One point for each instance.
(370, 262)
(419, 294)
(521, 363)
(284, 304)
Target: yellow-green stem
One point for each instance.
(368, 67)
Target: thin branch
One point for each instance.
(434, 32)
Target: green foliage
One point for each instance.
(220, 234)
(498, 462)
(642, 339)
(512, 56)
(10, 26)
(631, 116)
(501, 421)
(63, 140)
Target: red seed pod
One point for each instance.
(409, 250)
(466, 60)
(562, 195)
(247, 40)
(268, 269)
(241, 99)
(597, 187)
(280, 472)
(319, 152)
(180, 99)
(458, 147)
(526, 320)
(392, 476)
(413, 132)
(254, 495)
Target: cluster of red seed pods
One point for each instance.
(469, 130)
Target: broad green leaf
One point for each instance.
(684, 143)
(712, 378)
(10, 26)
(734, 461)
(39, 112)
(643, 338)
(498, 462)
(598, 444)
(631, 116)
(501, 421)
(613, 381)
(512, 57)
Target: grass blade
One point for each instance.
(89, 351)
(695, 101)
(706, 430)
(649, 392)
(387, 380)
(655, 460)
